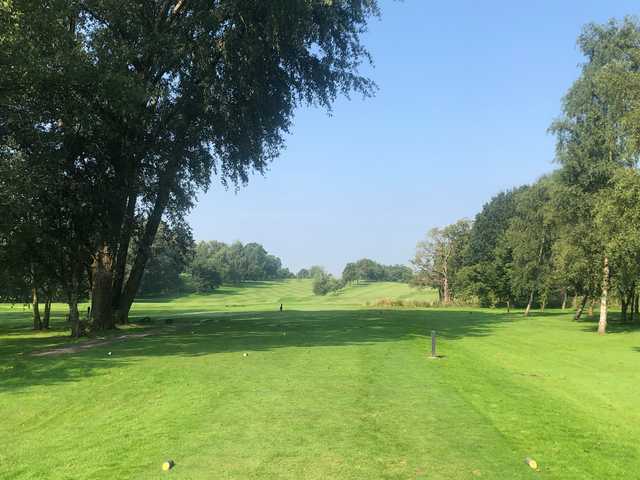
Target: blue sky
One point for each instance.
(467, 91)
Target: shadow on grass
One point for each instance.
(236, 332)
(614, 324)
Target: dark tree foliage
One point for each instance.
(171, 253)
(487, 258)
(136, 103)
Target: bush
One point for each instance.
(324, 283)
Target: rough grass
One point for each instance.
(329, 389)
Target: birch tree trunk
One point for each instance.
(602, 323)
(528, 309)
(581, 308)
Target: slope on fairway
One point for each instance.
(327, 390)
(293, 294)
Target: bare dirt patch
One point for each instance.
(80, 347)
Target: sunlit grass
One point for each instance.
(329, 389)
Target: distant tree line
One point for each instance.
(362, 270)
(575, 233)
(179, 265)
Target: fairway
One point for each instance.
(329, 388)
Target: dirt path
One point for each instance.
(80, 347)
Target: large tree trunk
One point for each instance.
(37, 322)
(602, 323)
(120, 265)
(528, 309)
(144, 246)
(581, 308)
(101, 293)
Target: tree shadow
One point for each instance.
(223, 332)
(615, 324)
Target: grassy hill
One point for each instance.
(293, 294)
(231, 388)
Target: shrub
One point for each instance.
(324, 283)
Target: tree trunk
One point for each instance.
(144, 247)
(101, 294)
(574, 302)
(581, 308)
(74, 315)
(635, 308)
(528, 309)
(629, 301)
(37, 322)
(445, 289)
(564, 299)
(122, 253)
(47, 312)
(591, 307)
(602, 323)
(508, 306)
(623, 308)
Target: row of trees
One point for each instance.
(362, 270)
(215, 263)
(573, 233)
(114, 114)
(178, 265)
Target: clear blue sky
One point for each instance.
(467, 91)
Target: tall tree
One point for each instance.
(440, 258)
(151, 96)
(530, 237)
(486, 274)
(595, 134)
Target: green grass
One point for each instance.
(330, 389)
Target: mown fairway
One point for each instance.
(330, 389)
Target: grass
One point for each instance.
(330, 389)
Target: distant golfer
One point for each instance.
(280, 307)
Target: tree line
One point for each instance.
(114, 115)
(178, 265)
(364, 269)
(575, 233)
